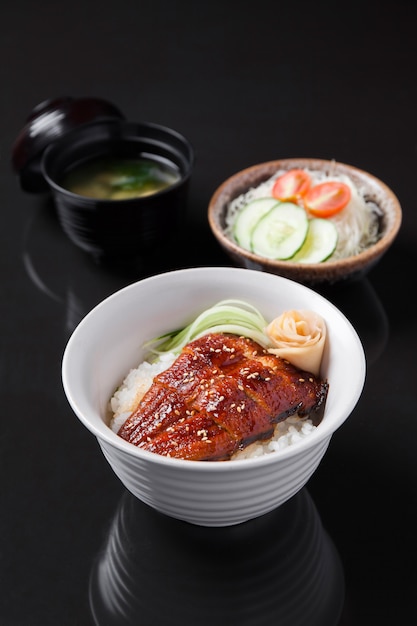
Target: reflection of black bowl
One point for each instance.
(119, 228)
(281, 569)
(67, 275)
(74, 281)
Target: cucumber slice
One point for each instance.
(249, 217)
(320, 242)
(281, 232)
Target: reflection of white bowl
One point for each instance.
(108, 342)
(285, 562)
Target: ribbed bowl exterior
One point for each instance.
(222, 498)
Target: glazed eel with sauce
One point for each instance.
(222, 393)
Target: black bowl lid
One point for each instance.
(46, 123)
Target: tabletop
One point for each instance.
(245, 83)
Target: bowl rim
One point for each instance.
(104, 433)
(366, 256)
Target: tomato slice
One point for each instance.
(327, 199)
(291, 186)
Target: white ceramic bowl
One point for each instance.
(108, 342)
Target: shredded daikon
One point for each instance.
(357, 224)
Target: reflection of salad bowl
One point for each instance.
(311, 220)
(109, 342)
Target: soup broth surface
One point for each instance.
(115, 178)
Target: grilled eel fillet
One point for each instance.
(222, 393)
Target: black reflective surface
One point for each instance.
(244, 83)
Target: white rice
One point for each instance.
(286, 433)
(138, 381)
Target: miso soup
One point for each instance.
(117, 178)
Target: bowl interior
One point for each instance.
(120, 139)
(109, 340)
